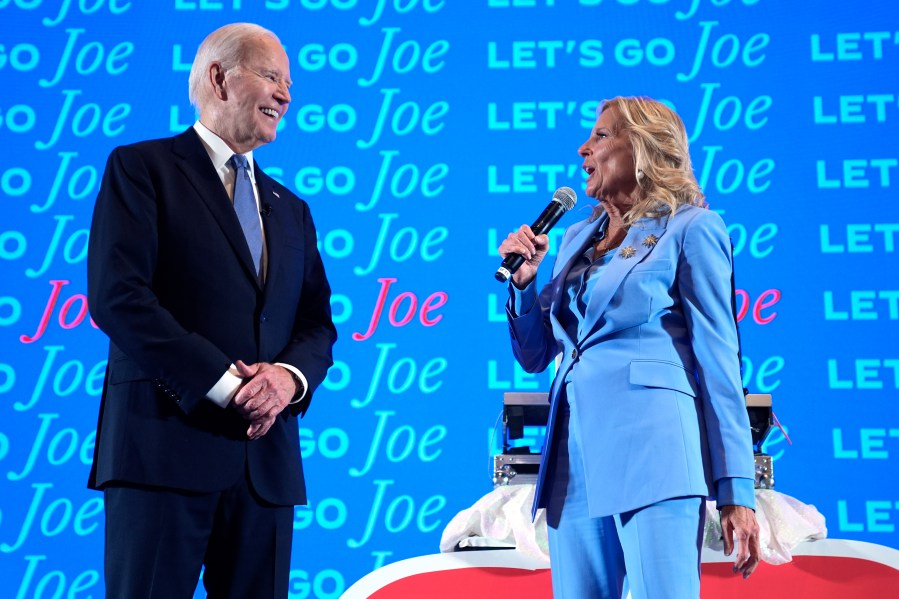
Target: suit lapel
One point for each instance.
(274, 210)
(566, 259)
(195, 164)
(576, 246)
(639, 240)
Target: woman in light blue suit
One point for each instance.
(647, 415)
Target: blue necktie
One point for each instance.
(246, 209)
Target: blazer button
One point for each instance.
(574, 354)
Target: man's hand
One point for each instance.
(267, 391)
(739, 522)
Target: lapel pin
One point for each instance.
(627, 252)
(275, 193)
(650, 240)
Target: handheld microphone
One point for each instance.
(563, 200)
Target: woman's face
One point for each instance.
(609, 163)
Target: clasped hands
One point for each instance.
(265, 392)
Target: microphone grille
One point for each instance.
(566, 197)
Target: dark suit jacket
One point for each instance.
(171, 282)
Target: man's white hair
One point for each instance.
(225, 45)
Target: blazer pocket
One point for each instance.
(126, 371)
(652, 266)
(660, 373)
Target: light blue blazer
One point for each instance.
(655, 369)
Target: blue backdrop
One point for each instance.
(421, 132)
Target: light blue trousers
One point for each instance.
(654, 551)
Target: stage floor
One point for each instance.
(825, 569)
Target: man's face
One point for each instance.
(257, 96)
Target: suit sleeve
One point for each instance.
(533, 342)
(314, 334)
(121, 262)
(704, 281)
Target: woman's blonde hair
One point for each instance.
(661, 156)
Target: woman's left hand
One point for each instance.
(738, 522)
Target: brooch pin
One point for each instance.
(650, 240)
(627, 252)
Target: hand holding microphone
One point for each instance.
(524, 249)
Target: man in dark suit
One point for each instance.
(204, 273)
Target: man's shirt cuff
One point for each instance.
(226, 388)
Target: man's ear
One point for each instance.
(217, 80)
